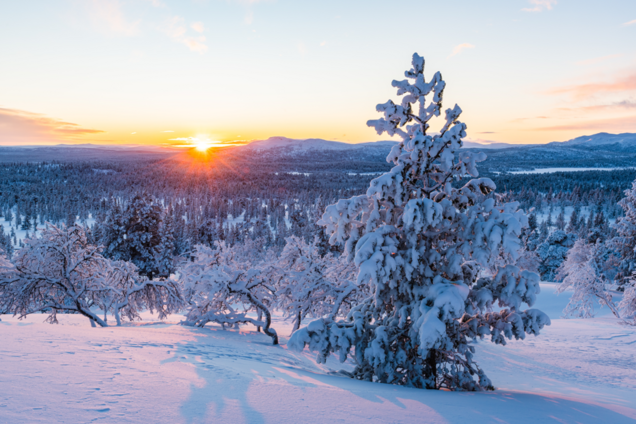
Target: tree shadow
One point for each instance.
(243, 375)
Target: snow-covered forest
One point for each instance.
(419, 272)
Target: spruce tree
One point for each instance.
(420, 240)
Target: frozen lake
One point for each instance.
(553, 170)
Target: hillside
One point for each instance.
(576, 371)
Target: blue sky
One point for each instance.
(151, 71)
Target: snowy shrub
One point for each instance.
(129, 294)
(225, 284)
(581, 272)
(553, 252)
(420, 243)
(61, 272)
(312, 285)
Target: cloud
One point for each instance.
(582, 91)
(622, 124)
(622, 105)
(108, 14)
(203, 140)
(197, 26)
(177, 30)
(460, 48)
(598, 59)
(168, 131)
(630, 23)
(22, 127)
(487, 132)
(540, 5)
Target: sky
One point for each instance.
(168, 72)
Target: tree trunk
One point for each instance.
(268, 317)
(299, 317)
(431, 361)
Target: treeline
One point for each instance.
(231, 199)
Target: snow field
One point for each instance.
(577, 370)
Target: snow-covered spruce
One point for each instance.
(139, 234)
(60, 272)
(581, 272)
(312, 285)
(421, 242)
(225, 284)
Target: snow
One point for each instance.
(577, 370)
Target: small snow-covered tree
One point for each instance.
(6, 271)
(625, 241)
(225, 284)
(312, 285)
(61, 272)
(129, 293)
(420, 242)
(57, 272)
(581, 272)
(553, 252)
(627, 305)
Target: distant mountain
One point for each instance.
(476, 145)
(69, 152)
(598, 150)
(602, 141)
(299, 145)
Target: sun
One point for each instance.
(202, 143)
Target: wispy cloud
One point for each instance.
(198, 26)
(177, 30)
(108, 14)
(168, 131)
(540, 5)
(622, 124)
(582, 91)
(622, 105)
(22, 127)
(202, 141)
(596, 60)
(460, 48)
(630, 23)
